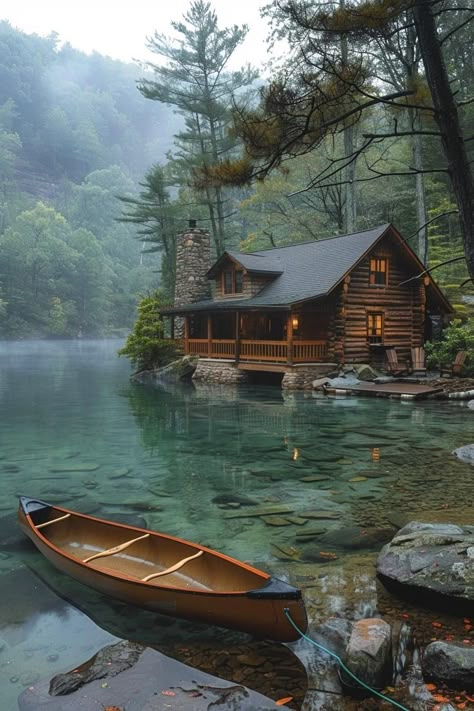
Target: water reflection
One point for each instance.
(177, 459)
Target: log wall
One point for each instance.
(402, 305)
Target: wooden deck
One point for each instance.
(405, 391)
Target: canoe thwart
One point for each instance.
(173, 568)
(115, 549)
(54, 520)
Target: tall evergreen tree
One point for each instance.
(197, 81)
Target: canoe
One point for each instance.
(163, 573)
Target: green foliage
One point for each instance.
(458, 336)
(145, 346)
(192, 75)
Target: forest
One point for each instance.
(103, 162)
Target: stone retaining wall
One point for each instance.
(222, 372)
(301, 377)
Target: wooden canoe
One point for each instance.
(163, 573)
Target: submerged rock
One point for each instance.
(240, 499)
(133, 677)
(108, 662)
(356, 538)
(448, 663)
(431, 562)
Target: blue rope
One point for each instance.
(342, 665)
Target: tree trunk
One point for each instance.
(349, 176)
(420, 195)
(447, 118)
(350, 205)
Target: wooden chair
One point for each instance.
(456, 366)
(418, 366)
(393, 366)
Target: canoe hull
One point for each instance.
(264, 617)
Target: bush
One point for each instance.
(146, 346)
(456, 337)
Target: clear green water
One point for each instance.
(74, 431)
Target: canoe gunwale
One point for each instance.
(272, 588)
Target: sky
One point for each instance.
(119, 28)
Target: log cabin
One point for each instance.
(304, 309)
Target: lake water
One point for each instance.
(74, 431)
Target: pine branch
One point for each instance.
(433, 219)
(431, 269)
(398, 134)
(456, 29)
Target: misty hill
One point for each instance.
(74, 113)
(75, 133)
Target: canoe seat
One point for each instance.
(115, 549)
(54, 520)
(173, 568)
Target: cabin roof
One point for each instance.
(312, 269)
(253, 262)
(302, 272)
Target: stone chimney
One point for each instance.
(193, 251)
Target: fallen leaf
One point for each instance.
(431, 687)
(436, 624)
(167, 692)
(441, 699)
(282, 702)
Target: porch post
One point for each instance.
(172, 328)
(237, 336)
(209, 335)
(186, 334)
(289, 337)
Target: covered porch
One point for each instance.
(275, 337)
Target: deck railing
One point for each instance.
(269, 351)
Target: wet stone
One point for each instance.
(314, 477)
(320, 514)
(275, 521)
(75, 468)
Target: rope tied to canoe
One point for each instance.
(341, 664)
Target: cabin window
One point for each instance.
(375, 328)
(378, 272)
(232, 281)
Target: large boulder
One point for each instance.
(178, 370)
(431, 562)
(365, 372)
(368, 654)
(451, 664)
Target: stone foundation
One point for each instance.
(220, 372)
(301, 377)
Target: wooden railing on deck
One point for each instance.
(309, 351)
(271, 351)
(264, 350)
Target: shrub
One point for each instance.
(146, 346)
(456, 337)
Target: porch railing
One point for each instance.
(270, 351)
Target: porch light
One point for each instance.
(296, 454)
(295, 322)
(376, 454)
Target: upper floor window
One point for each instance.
(232, 281)
(378, 272)
(375, 328)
